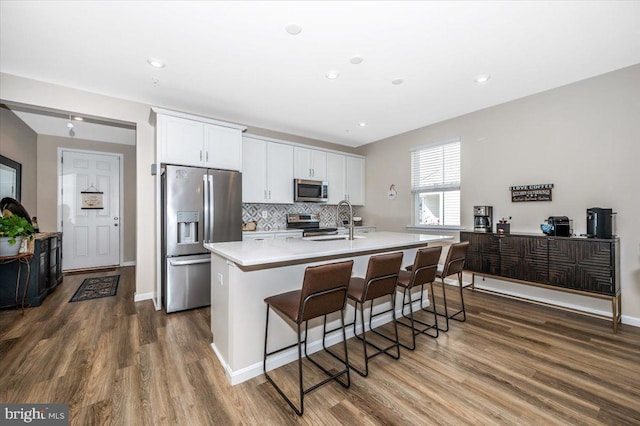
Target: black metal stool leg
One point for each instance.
(415, 331)
(299, 411)
(362, 338)
(461, 311)
(444, 301)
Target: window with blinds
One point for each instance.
(435, 183)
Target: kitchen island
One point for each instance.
(244, 273)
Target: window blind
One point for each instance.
(436, 168)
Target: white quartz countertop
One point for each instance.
(268, 252)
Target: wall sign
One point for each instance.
(540, 192)
(91, 199)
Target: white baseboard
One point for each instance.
(139, 297)
(130, 263)
(629, 320)
(626, 319)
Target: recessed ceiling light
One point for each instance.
(355, 60)
(482, 78)
(77, 118)
(332, 75)
(70, 125)
(362, 124)
(156, 63)
(293, 29)
(397, 81)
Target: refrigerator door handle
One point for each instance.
(205, 194)
(212, 208)
(188, 262)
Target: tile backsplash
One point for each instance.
(277, 214)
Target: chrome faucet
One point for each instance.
(350, 225)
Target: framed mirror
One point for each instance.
(10, 178)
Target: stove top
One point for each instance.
(309, 223)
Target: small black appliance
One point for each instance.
(599, 222)
(560, 226)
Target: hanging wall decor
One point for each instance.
(92, 199)
(541, 192)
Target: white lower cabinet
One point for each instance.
(267, 172)
(258, 236)
(288, 235)
(358, 230)
(246, 236)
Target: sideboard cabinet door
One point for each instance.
(524, 258)
(582, 265)
(484, 253)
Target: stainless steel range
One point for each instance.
(309, 224)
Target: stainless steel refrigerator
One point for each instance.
(199, 206)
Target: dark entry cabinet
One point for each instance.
(46, 273)
(583, 264)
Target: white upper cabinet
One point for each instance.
(355, 180)
(267, 175)
(345, 176)
(336, 177)
(310, 164)
(180, 140)
(280, 173)
(254, 170)
(197, 141)
(222, 147)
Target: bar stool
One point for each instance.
(452, 265)
(324, 291)
(423, 271)
(380, 281)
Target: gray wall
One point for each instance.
(584, 138)
(19, 143)
(48, 184)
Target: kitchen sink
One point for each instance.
(333, 238)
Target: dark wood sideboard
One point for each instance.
(46, 273)
(586, 266)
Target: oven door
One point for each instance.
(310, 191)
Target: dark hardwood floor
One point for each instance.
(119, 362)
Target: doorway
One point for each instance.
(90, 208)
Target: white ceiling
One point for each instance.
(234, 61)
(44, 124)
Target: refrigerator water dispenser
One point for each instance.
(188, 227)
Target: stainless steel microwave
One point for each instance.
(313, 191)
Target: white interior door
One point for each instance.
(90, 210)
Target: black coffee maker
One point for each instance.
(560, 226)
(599, 223)
(482, 218)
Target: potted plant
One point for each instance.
(12, 230)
